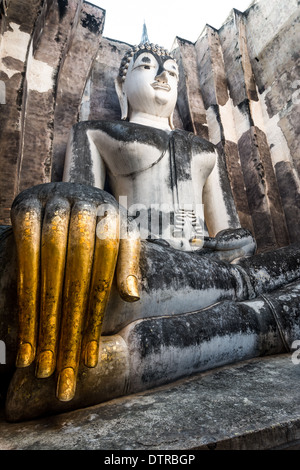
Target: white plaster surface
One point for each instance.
(40, 75)
(228, 121)
(278, 144)
(241, 120)
(213, 126)
(14, 44)
(257, 115)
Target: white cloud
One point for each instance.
(165, 19)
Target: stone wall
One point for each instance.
(249, 80)
(239, 88)
(47, 48)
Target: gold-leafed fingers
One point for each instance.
(67, 257)
(53, 254)
(80, 252)
(128, 263)
(26, 221)
(105, 258)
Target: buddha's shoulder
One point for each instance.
(195, 142)
(124, 131)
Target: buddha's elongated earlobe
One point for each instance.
(122, 97)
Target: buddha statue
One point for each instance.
(134, 270)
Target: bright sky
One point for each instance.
(165, 19)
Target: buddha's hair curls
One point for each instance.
(141, 47)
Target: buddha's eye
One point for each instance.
(173, 74)
(147, 67)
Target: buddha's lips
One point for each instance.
(161, 86)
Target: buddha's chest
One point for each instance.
(133, 158)
(140, 159)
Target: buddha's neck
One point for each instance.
(150, 120)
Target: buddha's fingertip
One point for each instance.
(66, 384)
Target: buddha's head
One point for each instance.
(147, 84)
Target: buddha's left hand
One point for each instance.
(231, 244)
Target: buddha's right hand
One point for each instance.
(68, 245)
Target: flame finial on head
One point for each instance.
(145, 38)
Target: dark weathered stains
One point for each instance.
(126, 132)
(13, 63)
(154, 337)
(71, 191)
(285, 308)
(62, 8)
(19, 100)
(226, 188)
(5, 231)
(244, 108)
(216, 110)
(272, 269)
(237, 184)
(290, 196)
(92, 23)
(179, 269)
(257, 196)
(81, 171)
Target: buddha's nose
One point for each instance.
(162, 77)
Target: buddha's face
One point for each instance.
(151, 84)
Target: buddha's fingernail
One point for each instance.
(91, 354)
(25, 355)
(45, 364)
(66, 384)
(132, 288)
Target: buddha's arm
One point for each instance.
(83, 162)
(219, 208)
(229, 239)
